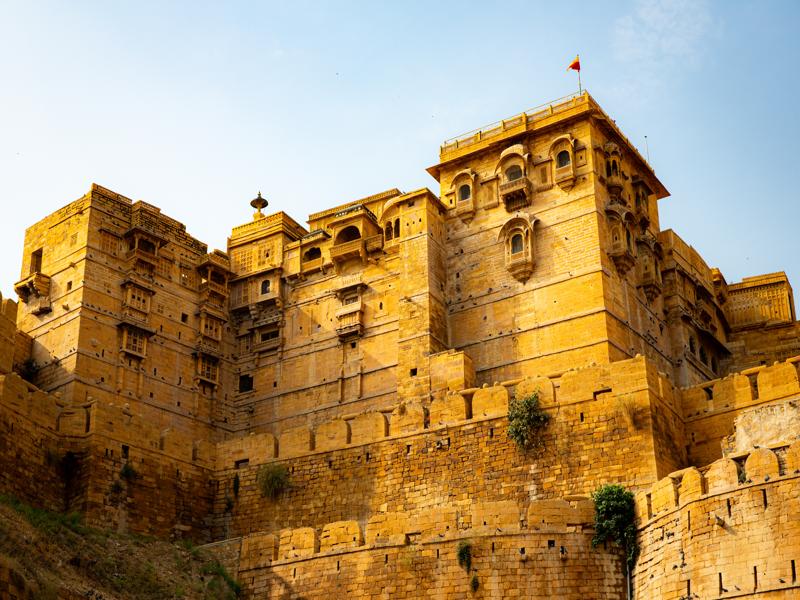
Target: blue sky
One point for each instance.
(195, 106)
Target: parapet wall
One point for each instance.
(541, 550)
(710, 409)
(728, 530)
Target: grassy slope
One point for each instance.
(61, 557)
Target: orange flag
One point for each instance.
(575, 65)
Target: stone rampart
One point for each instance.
(710, 409)
(605, 427)
(727, 530)
(538, 550)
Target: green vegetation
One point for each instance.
(273, 480)
(614, 516)
(44, 520)
(58, 552)
(527, 422)
(474, 584)
(127, 472)
(464, 555)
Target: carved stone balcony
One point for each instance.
(520, 266)
(207, 345)
(139, 254)
(516, 194)
(650, 284)
(614, 184)
(211, 286)
(623, 258)
(350, 320)
(374, 243)
(134, 315)
(465, 209)
(348, 250)
(266, 345)
(34, 291)
(309, 266)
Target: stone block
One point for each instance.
(502, 514)
(722, 475)
(777, 381)
(451, 371)
(368, 427)
(549, 514)
(761, 465)
(452, 408)
(581, 384)
(733, 390)
(298, 543)
(256, 448)
(295, 441)
(438, 521)
(490, 402)
(258, 550)
(541, 385)
(408, 417)
(340, 536)
(691, 486)
(664, 495)
(582, 511)
(387, 528)
(332, 435)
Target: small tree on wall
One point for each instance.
(614, 520)
(527, 422)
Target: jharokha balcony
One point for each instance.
(350, 321)
(34, 291)
(516, 193)
(347, 250)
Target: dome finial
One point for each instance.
(258, 203)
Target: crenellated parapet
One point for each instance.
(728, 529)
(621, 380)
(711, 410)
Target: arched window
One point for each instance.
(397, 228)
(388, 233)
(562, 159)
(464, 192)
(629, 240)
(348, 234)
(614, 168)
(265, 287)
(513, 173)
(516, 243)
(312, 254)
(608, 168)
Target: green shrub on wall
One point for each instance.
(527, 422)
(614, 520)
(272, 480)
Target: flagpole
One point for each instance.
(579, 83)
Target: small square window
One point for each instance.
(184, 318)
(413, 372)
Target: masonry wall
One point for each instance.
(710, 409)
(730, 530)
(524, 564)
(357, 471)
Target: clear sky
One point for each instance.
(196, 106)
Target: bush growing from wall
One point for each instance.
(272, 480)
(614, 514)
(527, 422)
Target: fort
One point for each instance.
(146, 382)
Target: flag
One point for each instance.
(575, 65)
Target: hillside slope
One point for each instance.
(50, 556)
